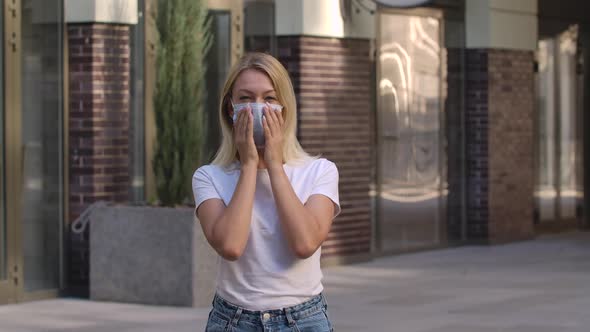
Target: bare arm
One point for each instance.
(227, 228)
(306, 226)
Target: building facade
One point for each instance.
(451, 122)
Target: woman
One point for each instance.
(265, 206)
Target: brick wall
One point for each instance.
(332, 81)
(476, 116)
(98, 127)
(454, 113)
(511, 162)
(499, 129)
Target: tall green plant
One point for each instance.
(183, 42)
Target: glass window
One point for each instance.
(218, 63)
(259, 27)
(42, 141)
(558, 182)
(546, 185)
(137, 119)
(567, 60)
(409, 116)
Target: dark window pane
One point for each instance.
(218, 63)
(137, 119)
(42, 139)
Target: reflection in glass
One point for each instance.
(409, 118)
(218, 62)
(558, 187)
(567, 105)
(546, 184)
(42, 142)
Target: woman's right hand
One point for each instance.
(244, 138)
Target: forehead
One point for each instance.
(253, 80)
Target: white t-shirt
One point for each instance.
(268, 275)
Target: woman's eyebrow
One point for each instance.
(250, 92)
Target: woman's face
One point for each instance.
(252, 86)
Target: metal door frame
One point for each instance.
(14, 291)
(236, 9)
(423, 12)
(6, 287)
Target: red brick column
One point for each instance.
(332, 81)
(499, 112)
(98, 126)
(99, 114)
(511, 161)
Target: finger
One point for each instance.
(277, 122)
(269, 121)
(237, 122)
(244, 123)
(280, 117)
(266, 128)
(237, 118)
(277, 118)
(250, 125)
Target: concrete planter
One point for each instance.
(150, 255)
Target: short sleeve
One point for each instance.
(203, 188)
(326, 183)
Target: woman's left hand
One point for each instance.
(273, 122)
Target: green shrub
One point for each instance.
(183, 42)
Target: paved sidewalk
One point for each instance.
(533, 286)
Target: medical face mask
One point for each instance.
(258, 114)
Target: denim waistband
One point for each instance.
(300, 311)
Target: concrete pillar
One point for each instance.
(326, 18)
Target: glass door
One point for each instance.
(31, 141)
(411, 167)
(41, 142)
(8, 279)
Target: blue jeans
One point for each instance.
(309, 316)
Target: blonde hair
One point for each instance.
(292, 150)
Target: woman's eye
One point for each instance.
(244, 98)
(270, 98)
